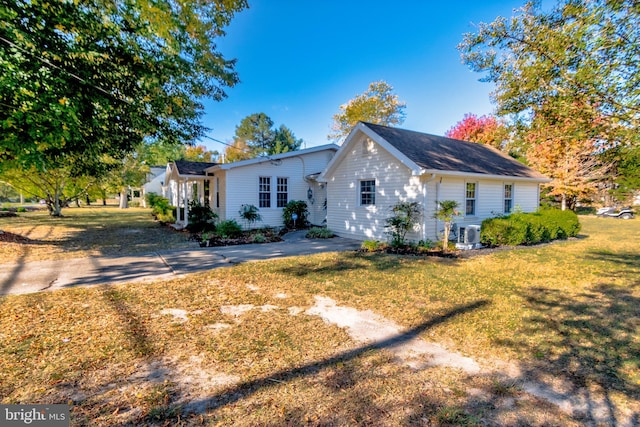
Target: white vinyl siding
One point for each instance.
(241, 186)
(366, 161)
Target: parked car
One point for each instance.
(623, 213)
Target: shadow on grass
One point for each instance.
(623, 259)
(247, 388)
(589, 342)
(355, 261)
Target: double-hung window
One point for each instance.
(368, 192)
(264, 192)
(282, 192)
(508, 198)
(470, 198)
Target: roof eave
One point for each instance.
(484, 175)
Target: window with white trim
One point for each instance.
(470, 198)
(264, 192)
(282, 192)
(508, 198)
(368, 192)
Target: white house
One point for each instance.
(154, 182)
(268, 183)
(379, 166)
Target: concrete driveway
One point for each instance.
(22, 278)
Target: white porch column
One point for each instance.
(185, 202)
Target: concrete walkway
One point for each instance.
(22, 278)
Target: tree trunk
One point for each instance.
(88, 200)
(445, 238)
(124, 199)
(55, 206)
(564, 202)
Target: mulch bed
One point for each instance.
(244, 240)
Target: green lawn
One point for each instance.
(86, 231)
(160, 353)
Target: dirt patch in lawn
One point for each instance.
(409, 349)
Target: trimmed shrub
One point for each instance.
(319, 233)
(228, 229)
(529, 228)
(299, 208)
(160, 208)
(503, 231)
(201, 218)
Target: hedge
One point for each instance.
(529, 228)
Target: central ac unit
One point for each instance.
(469, 235)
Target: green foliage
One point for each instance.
(160, 208)
(319, 233)
(85, 81)
(201, 218)
(374, 246)
(257, 133)
(377, 105)
(445, 212)
(529, 228)
(566, 77)
(298, 207)
(250, 214)
(425, 246)
(405, 217)
(228, 229)
(627, 181)
(56, 186)
(577, 49)
(258, 238)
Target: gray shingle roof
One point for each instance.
(192, 168)
(438, 153)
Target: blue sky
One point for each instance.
(298, 61)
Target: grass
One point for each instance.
(182, 353)
(86, 231)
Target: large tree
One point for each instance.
(586, 50)
(257, 131)
(238, 150)
(377, 105)
(570, 79)
(84, 80)
(564, 143)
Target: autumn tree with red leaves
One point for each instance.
(484, 129)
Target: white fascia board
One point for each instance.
(482, 175)
(258, 160)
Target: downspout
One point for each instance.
(424, 206)
(435, 231)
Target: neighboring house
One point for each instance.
(154, 184)
(268, 183)
(379, 166)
